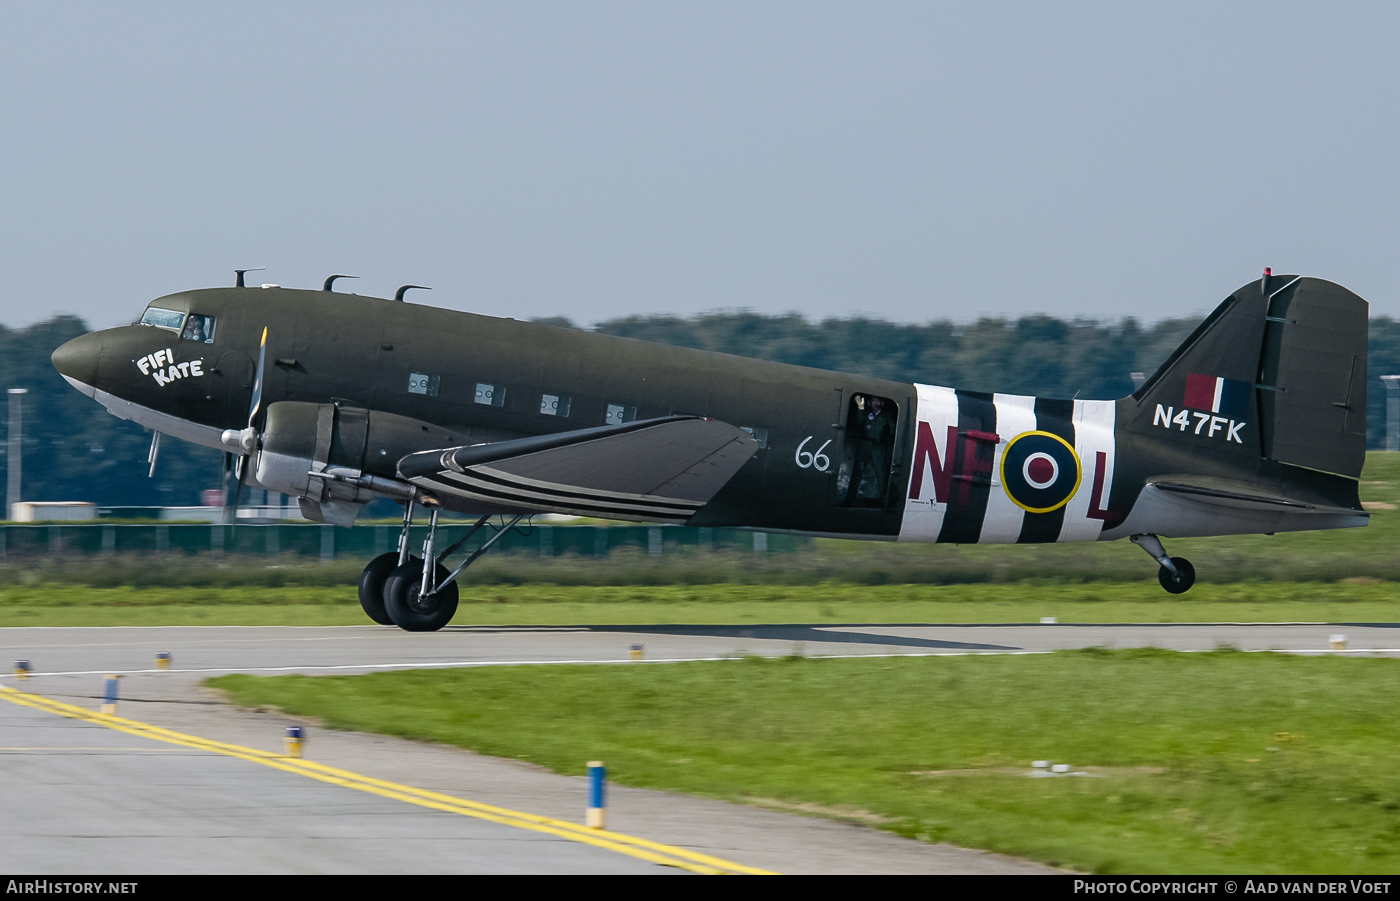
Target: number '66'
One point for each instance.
(818, 461)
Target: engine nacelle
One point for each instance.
(336, 458)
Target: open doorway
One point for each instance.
(864, 477)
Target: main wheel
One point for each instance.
(1182, 581)
(372, 586)
(411, 612)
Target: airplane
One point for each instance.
(1255, 424)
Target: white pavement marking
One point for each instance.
(467, 664)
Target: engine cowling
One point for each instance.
(335, 458)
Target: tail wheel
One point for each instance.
(410, 611)
(1183, 580)
(372, 587)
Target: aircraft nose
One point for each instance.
(77, 361)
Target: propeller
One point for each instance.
(247, 439)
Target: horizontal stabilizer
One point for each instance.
(655, 470)
(1250, 500)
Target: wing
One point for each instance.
(653, 470)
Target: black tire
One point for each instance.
(414, 614)
(1182, 581)
(372, 587)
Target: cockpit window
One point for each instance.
(199, 328)
(171, 319)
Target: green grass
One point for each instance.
(719, 604)
(1218, 762)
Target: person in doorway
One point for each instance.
(874, 440)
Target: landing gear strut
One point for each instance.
(396, 588)
(1176, 573)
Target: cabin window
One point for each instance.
(490, 395)
(423, 383)
(199, 328)
(167, 319)
(760, 434)
(555, 405)
(618, 414)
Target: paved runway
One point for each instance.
(83, 798)
(218, 649)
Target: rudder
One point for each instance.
(1314, 359)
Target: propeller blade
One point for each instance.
(256, 404)
(223, 483)
(231, 514)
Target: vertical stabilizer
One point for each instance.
(1277, 372)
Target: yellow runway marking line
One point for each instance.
(655, 852)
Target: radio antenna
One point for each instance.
(330, 280)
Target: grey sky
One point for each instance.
(911, 161)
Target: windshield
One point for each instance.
(171, 319)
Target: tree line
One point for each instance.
(75, 450)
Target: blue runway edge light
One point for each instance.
(597, 815)
(109, 694)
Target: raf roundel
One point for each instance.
(1040, 471)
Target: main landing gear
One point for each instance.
(377, 573)
(397, 589)
(1176, 573)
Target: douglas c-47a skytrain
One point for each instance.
(1257, 423)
